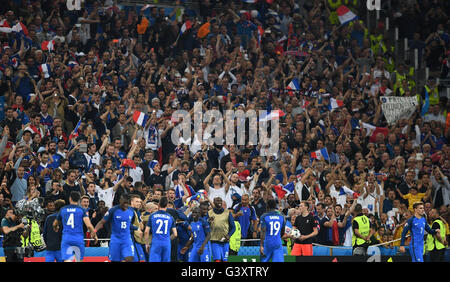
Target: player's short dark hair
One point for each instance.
(416, 204)
(75, 196)
(163, 202)
(358, 208)
(271, 204)
(125, 196)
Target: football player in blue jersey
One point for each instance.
(416, 225)
(160, 224)
(272, 230)
(72, 218)
(121, 217)
(200, 235)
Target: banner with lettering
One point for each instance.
(396, 108)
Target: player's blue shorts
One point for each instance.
(52, 256)
(160, 251)
(72, 247)
(195, 257)
(220, 251)
(120, 249)
(416, 252)
(139, 255)
(275, 254)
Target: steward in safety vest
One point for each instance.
(362, 231)
(34, 237)
(435, 245)
(235, 239)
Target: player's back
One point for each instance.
(161, 224)
(273, 222)
(71, 217)
(120, 221)
(199, 229)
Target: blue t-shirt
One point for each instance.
(272, 222)
(160, 223)
(246, 218)
(71, 217)
(199, 229)
(121, 222)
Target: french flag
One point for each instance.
(294, 85)
(20, 27)
(276, 114)
(75, 131)
(334, 104)
(320, 154)
(187, 25)
(48, 45)
(260, 35)
(345, 15)
(45, 70)
(179, 191)
(140, 118)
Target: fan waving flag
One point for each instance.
(179, 191)
(320, 154)
(293, 86)
(75, 131)
(20, 27)
(271, 115)
(186, 26)
(45, 70)
(334, 104)
(345, 15)
(140, 118)
(48, 45)
(260, 35)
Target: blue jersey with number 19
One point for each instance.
(273, 222)
(71, 217)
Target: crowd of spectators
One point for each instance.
(68, 108)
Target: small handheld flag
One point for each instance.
(140, 118)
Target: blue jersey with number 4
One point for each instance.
(161, 223)
(273, 223)
(71, 217)
(121, 222)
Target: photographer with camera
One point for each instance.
(13, 228)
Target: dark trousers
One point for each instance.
(11, 255)
(437, 255)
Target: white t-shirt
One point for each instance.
(106, 195)
(213, 193)
(136, 174)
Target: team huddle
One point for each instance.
(210, 231)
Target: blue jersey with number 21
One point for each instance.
(161, 223)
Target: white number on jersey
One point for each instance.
(274, 228)
(70, 221)
(160, 223)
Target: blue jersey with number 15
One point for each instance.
(121, 221)
(161, 223)
(71, 217)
